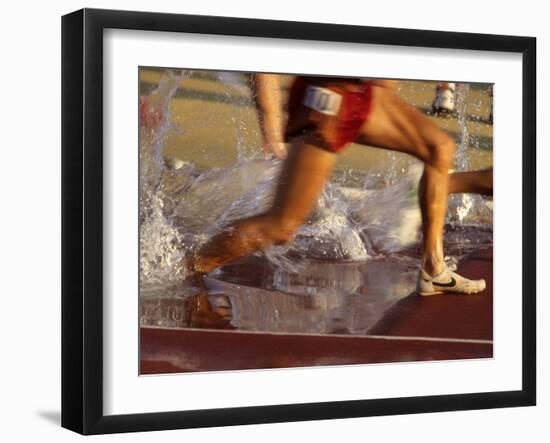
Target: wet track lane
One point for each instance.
(400, 327)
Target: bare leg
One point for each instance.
(477, 182)
(394, 124)
(303, 177)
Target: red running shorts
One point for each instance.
(333, 108)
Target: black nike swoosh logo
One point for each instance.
(446, 285)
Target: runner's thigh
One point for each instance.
(394, 124)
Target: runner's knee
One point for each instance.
(442, 153)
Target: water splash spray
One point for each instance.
(159, 240)
(465, 208)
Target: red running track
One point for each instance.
(441, 327)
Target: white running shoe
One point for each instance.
(444, 101)
(447, 281)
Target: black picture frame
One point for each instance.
(82, 220)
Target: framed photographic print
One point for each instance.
(269, 221)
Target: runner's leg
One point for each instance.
(394, 124)
(301, 181)
(476, 182)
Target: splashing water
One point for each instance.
(159, 240)
(181, 208)
(465, 208)
(460, 205)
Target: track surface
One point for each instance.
(413, 328)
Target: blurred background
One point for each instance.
(216, 123)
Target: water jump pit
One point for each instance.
(364, 314)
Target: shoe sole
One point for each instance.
(427, 294)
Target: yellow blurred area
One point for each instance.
(219, 122)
